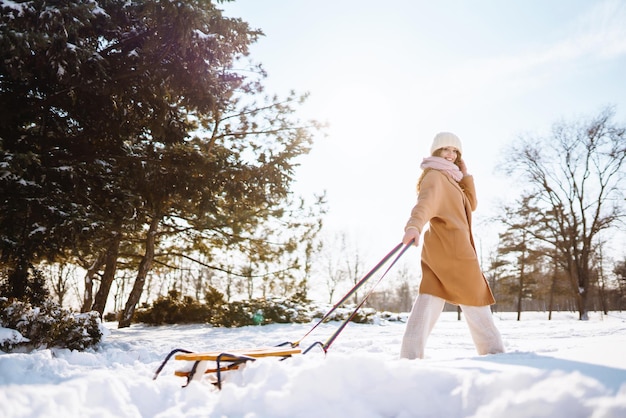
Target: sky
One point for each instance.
(387, 76)
(563, 368)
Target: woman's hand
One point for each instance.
(462, 166)
(411, 234)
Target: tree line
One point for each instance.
(569, 212)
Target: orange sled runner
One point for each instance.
(216, 362)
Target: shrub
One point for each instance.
(49, 325)
(237, 314)
(35, 290)
(174, 309)
(111, 316)
(363, 316)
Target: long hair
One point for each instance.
(436, 153)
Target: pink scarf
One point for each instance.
(444, 165)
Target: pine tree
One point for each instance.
(126, 122)
(520, 240)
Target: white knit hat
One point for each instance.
(446, 139)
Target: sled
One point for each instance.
(217, 362)
(198, 364)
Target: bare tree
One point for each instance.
(333, 253)
(399, 293)
(342, 262)
(354, 268)
(405, 291)
(60, 279)
(577, 176)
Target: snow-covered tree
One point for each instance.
(126, 123)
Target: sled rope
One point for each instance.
(231, 360)
(351, 292)
(332, 338)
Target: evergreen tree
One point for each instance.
(125, 122)
(619, 271)
(519, 240)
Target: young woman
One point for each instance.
(450, 268)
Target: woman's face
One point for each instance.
(449, 153)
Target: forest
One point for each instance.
(141, 156)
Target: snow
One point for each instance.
(202, 35)
(38, 230)
(8, 335)
(19, 7)
(558, 368)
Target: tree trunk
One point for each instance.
(18, 279)
(92, 272)
(553, 288)
(582, 305)
(520, 292)
(144, 267)
(579, 291)
(583, 286)
(603, 296)
(108, 276)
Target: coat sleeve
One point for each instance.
(428, 201)
(467, 184)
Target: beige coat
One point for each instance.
(450, 267)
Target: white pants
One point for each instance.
(424, 315)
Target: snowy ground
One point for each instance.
(559, 368)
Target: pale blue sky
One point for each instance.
(387, 76)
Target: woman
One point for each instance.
(450, 268)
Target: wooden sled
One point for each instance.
(199, 364)
(216, 362)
